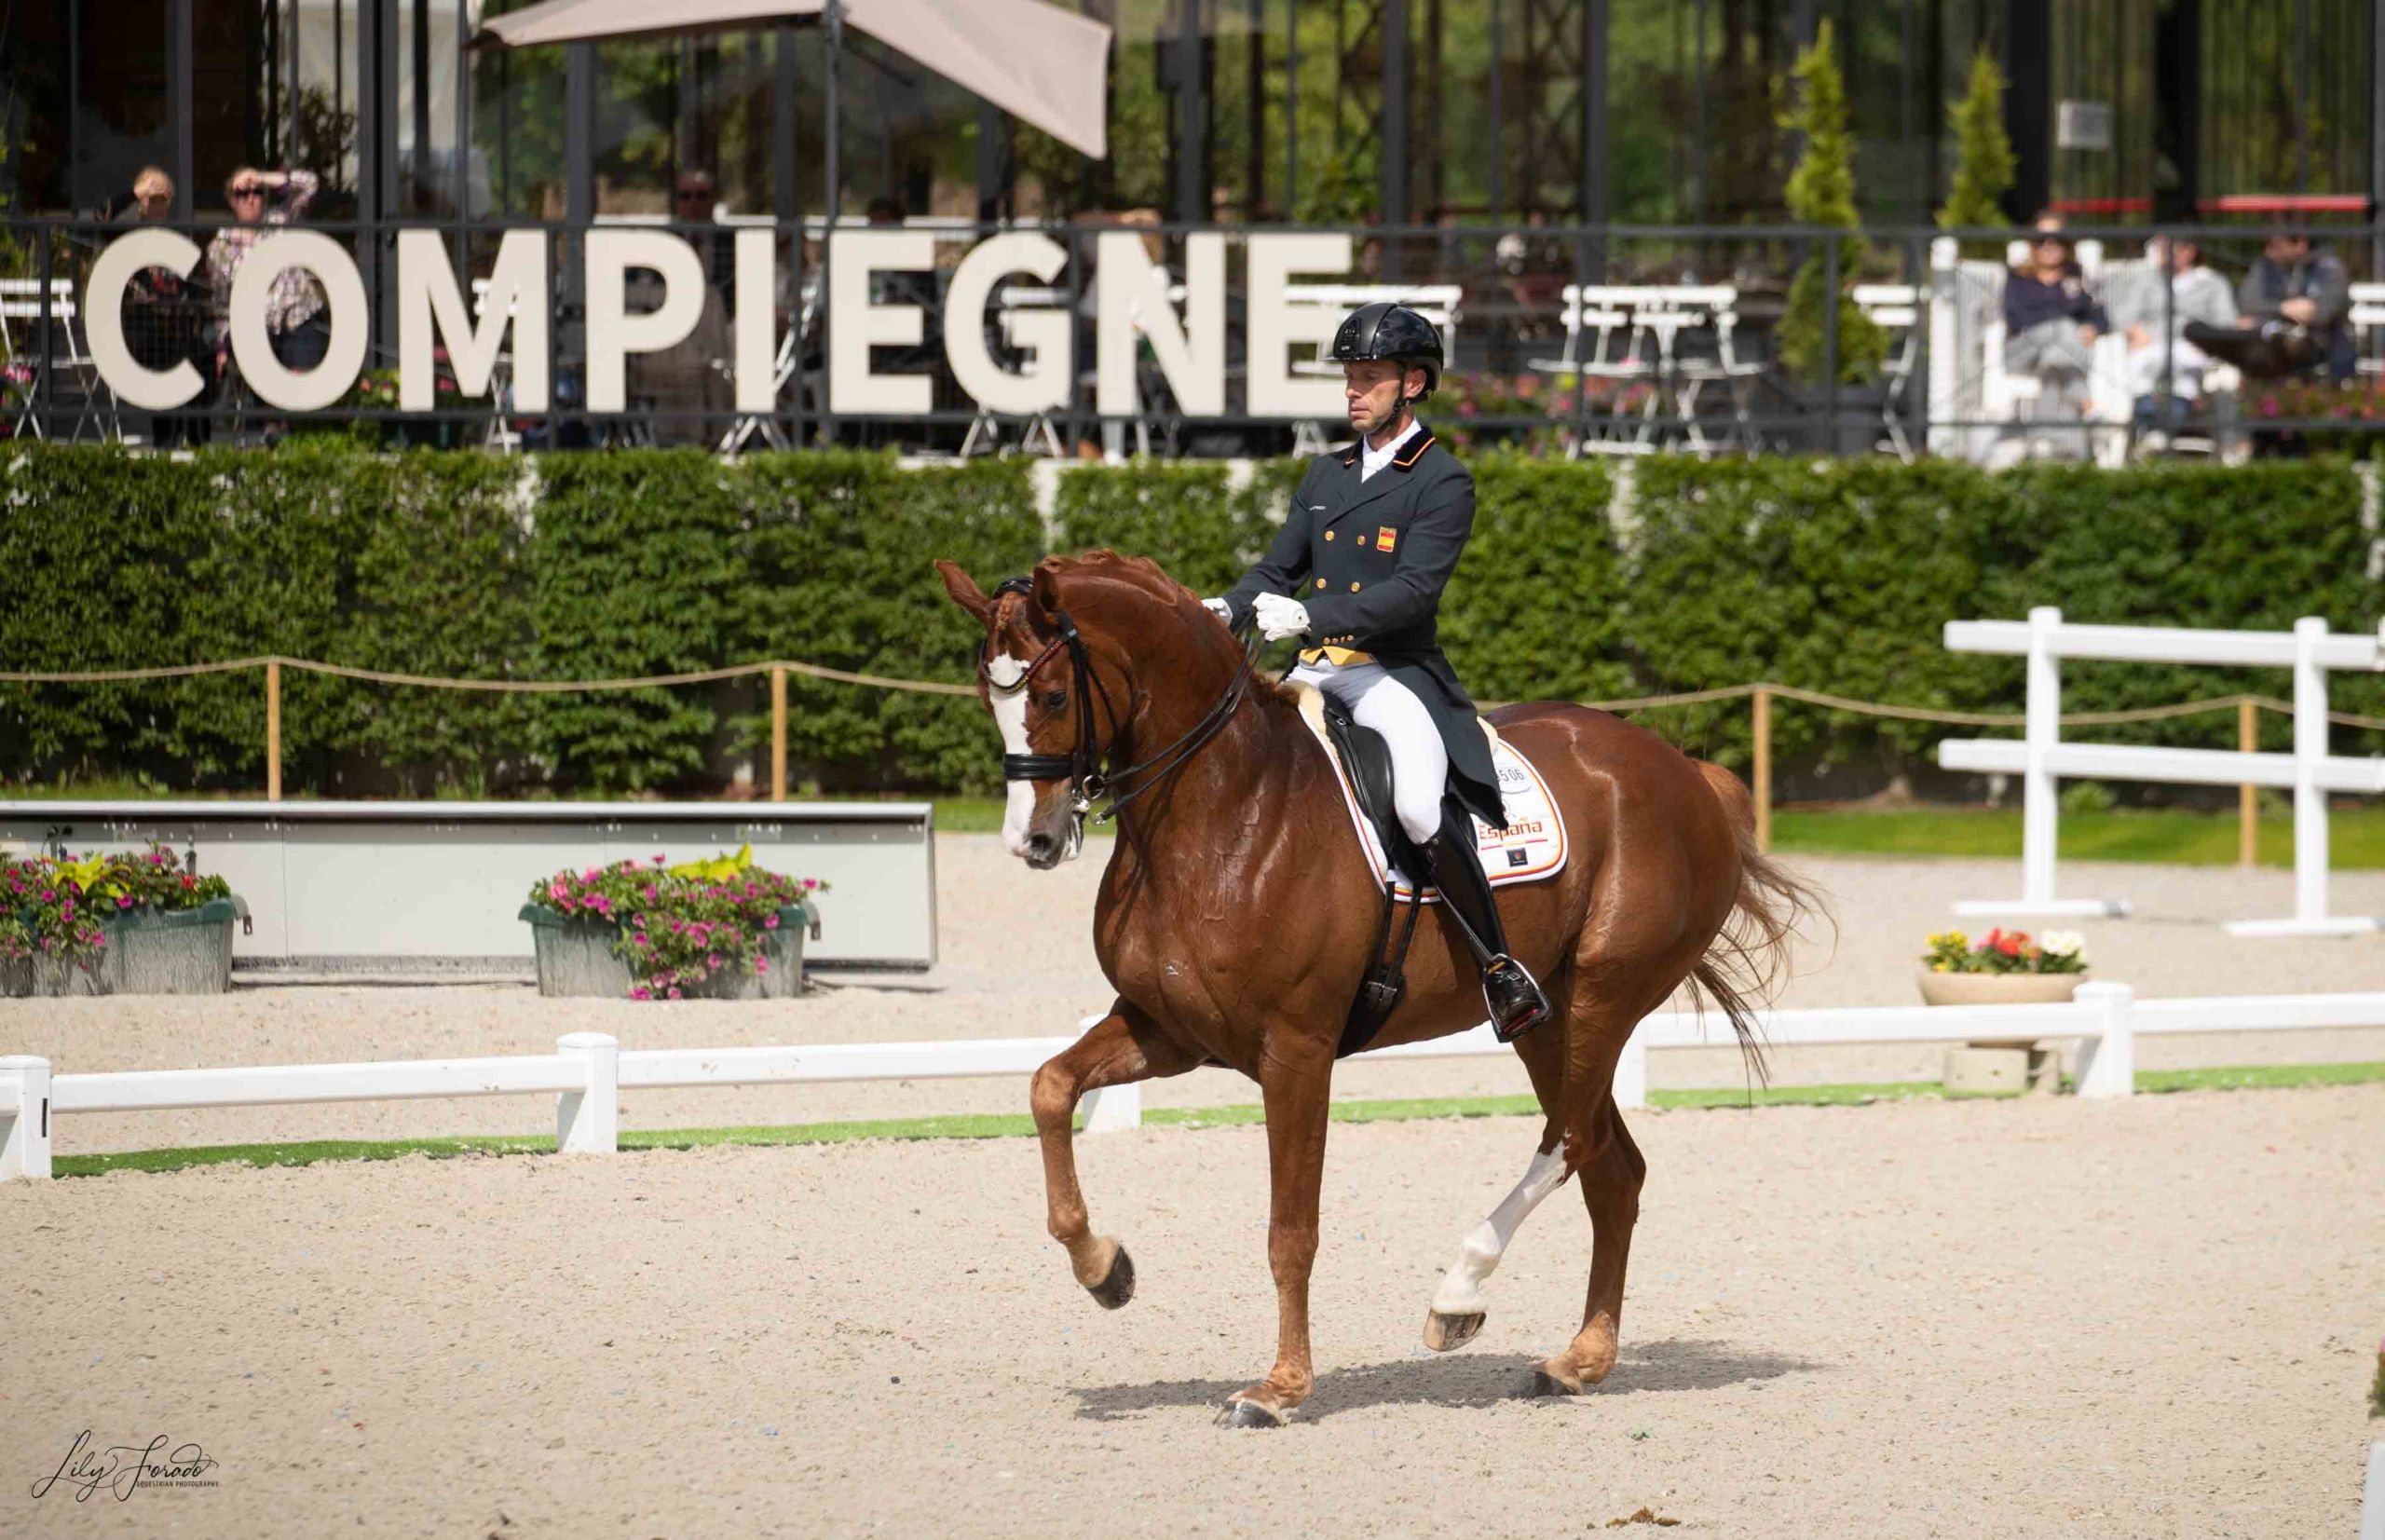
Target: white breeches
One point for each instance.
(1420, 761)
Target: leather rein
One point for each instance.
(1082, 766)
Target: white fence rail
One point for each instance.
(2041, 758)
(588, 1071)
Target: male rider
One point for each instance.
(1373, 535)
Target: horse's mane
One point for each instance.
(1137, 572)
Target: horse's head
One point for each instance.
(1026, 676)
(1057, 675)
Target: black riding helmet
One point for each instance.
(1384, 329)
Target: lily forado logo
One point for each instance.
(121, 1469)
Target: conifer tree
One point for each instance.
(1983, 162)
(1821, 191)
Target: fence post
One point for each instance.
(273, 729)
(778, 735)
(1630, 1086)
(589, 1121)
(2372, 1502)
(24, 1118)
(1764, 768)
(2107, 1061)
(2039, 802)
(2309, 798)
(2248, 804)
(1113, 1109)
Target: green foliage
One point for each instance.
(1985, 166)
(1833, 575)
(1821, 191)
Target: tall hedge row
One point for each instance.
(1580, 582)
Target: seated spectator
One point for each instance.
(2175, 297)
(294, 315)
(2301, 299)
(2051, 323)
(153, 199)
(694, 202)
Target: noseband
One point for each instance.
(1082, 766)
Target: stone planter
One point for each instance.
(575, 959)
(149, 952)
(1998, 988)
(2000, 1065)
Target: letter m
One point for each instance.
(515, 297)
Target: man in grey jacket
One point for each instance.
(2154, 315)
(2305, 295)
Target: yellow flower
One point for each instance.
(1940, 968)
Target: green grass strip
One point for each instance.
(989, 1126)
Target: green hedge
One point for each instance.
(1836, 575)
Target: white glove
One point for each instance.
(1279, 616)
(1219, 608)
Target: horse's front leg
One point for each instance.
(1121, 1048)
(1295, 1084)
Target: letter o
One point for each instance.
(350, 320)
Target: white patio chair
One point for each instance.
(65, 359)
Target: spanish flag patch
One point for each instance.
(1385, 535)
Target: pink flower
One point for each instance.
(761, 964)
(640, 991)
(770, 923)
(124, 901)
(712, 960)
(809, 883)
(658, 860)
(675, 991)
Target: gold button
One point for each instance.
(1354, 588)
(1328, 534)
(1320, 582)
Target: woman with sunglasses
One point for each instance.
(295, 316)
(2050, 324)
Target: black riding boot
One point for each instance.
(1516, 1005)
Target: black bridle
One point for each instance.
(1082, 766)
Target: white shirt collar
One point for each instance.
(1372, 459)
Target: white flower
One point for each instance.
(2060, 942)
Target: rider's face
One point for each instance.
(1373, 390)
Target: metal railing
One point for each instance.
(1587, 340)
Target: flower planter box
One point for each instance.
(148, 952)
(575, 959)
(2002, 1066)
(1998, 988)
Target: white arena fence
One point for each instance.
(588, 1070)
(2040, 757)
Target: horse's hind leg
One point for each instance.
(1611, 1179)
(1457, 1310)
(1121, 1048)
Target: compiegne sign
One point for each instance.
(1132, 306)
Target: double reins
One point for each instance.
(1082, 766)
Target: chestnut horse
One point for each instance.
(1238, 912)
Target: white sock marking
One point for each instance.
(1010, 714)
(1460, 1290)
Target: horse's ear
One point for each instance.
(1047, 592)
(966, 592)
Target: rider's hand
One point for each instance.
(1279, 616)
(1219, 608)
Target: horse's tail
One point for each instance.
(1747, 961)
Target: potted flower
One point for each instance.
(722, 929)
(2007, 968)
(134, 922)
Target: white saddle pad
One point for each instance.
(1530, 848)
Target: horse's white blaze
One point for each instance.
(1460, 1290)
(1010, 714)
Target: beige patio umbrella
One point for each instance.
(1039, 64)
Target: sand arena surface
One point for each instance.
(2028, 1318)
(2034, 1318)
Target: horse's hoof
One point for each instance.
(1241, 1413)
(1447, 1334)
(1113, 1292)
(1546, 1384)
